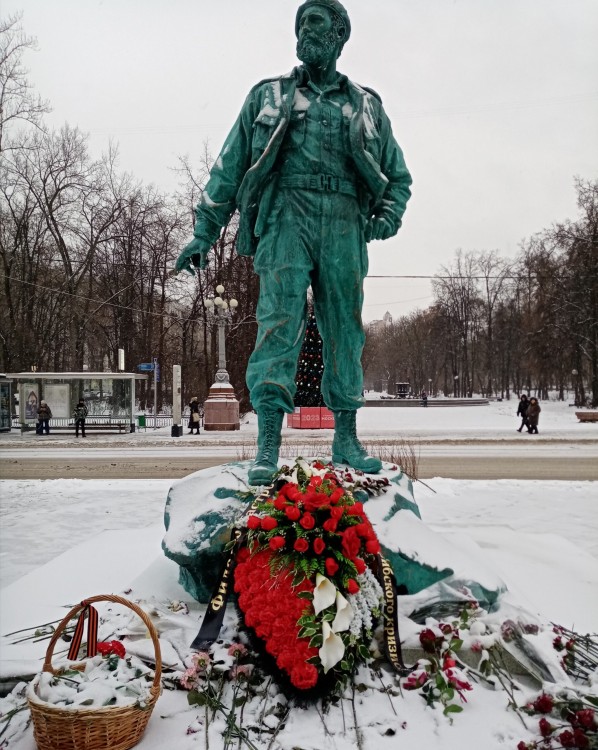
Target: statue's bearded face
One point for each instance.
(318, 40)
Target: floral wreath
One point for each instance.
(304, 574)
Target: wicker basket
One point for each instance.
(109, 728)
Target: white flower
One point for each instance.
(324, 593)
(302, 464)
(332, 649)
(344, 614)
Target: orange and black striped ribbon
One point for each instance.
(92, 632)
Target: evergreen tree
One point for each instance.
(310, 365)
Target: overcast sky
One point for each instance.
(494, 102)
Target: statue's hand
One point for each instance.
(379, 228)
(194, 256)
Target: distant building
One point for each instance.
(377, 326)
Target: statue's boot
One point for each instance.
(269, 424)
(346, 448)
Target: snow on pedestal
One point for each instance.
(201, 508)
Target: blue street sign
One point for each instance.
(146, 367)
(157, 372)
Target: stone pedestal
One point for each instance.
(221, 409)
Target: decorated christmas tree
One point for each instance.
(310, 365)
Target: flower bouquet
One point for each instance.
(304, 576)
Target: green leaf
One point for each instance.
(241, 701)
(455, 644)
(316, 641)
(363, 652)
(305, 595)
(307, 632)
(195, 698)
(345, 666)
(452, 709)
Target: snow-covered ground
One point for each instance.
(62, 540)
(495, 422)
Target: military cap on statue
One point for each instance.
(334, 6)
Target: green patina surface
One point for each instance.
(199, 544)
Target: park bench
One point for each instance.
(587, 416)
(103, 423)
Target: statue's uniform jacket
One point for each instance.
(306, 236)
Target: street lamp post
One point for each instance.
(430, 387)
(221, 408)
(456, 386)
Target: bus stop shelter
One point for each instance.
(109, 396)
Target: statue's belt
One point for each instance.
(323, 183)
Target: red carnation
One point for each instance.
(544, 704)
(280, 502)
(111, 647)
(581, 739)
(330, 525)
(585, 718)
(360, 565)
(429, 640)
(319, 545)
(277, 542)
(292, 512)
(373, 546)
(331, 566)
(352, 586)
(253, 522)
(301, 545)
(307, 521)
(546, 728)
(269, 523)
(243, 555)
(350, 543)
(567, 739)
(304, 676)
(336, 495)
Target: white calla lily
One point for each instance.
(332, 649)
(302, 464)
(344, 614)
(324, 593)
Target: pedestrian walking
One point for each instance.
(44, 415)
(194, 417)
(522, 411)
(79, 413)
(533, 414)
(424, 398)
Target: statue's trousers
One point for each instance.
(312, 238)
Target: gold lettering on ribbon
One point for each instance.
(392, 648)
(217, 602)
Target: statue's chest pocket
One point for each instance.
(263, 128)
(295, 135)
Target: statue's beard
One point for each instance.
(318, 51)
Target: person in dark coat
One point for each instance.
(424, 398)
(522, 410)
(44, 415)
(194, 415)
(533, 414)
(79, 413)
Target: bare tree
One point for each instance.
(18, 102)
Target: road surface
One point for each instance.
(566, 461)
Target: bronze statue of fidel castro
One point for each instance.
(313, 167)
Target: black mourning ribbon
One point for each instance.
(392, 640)
(212, 621)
